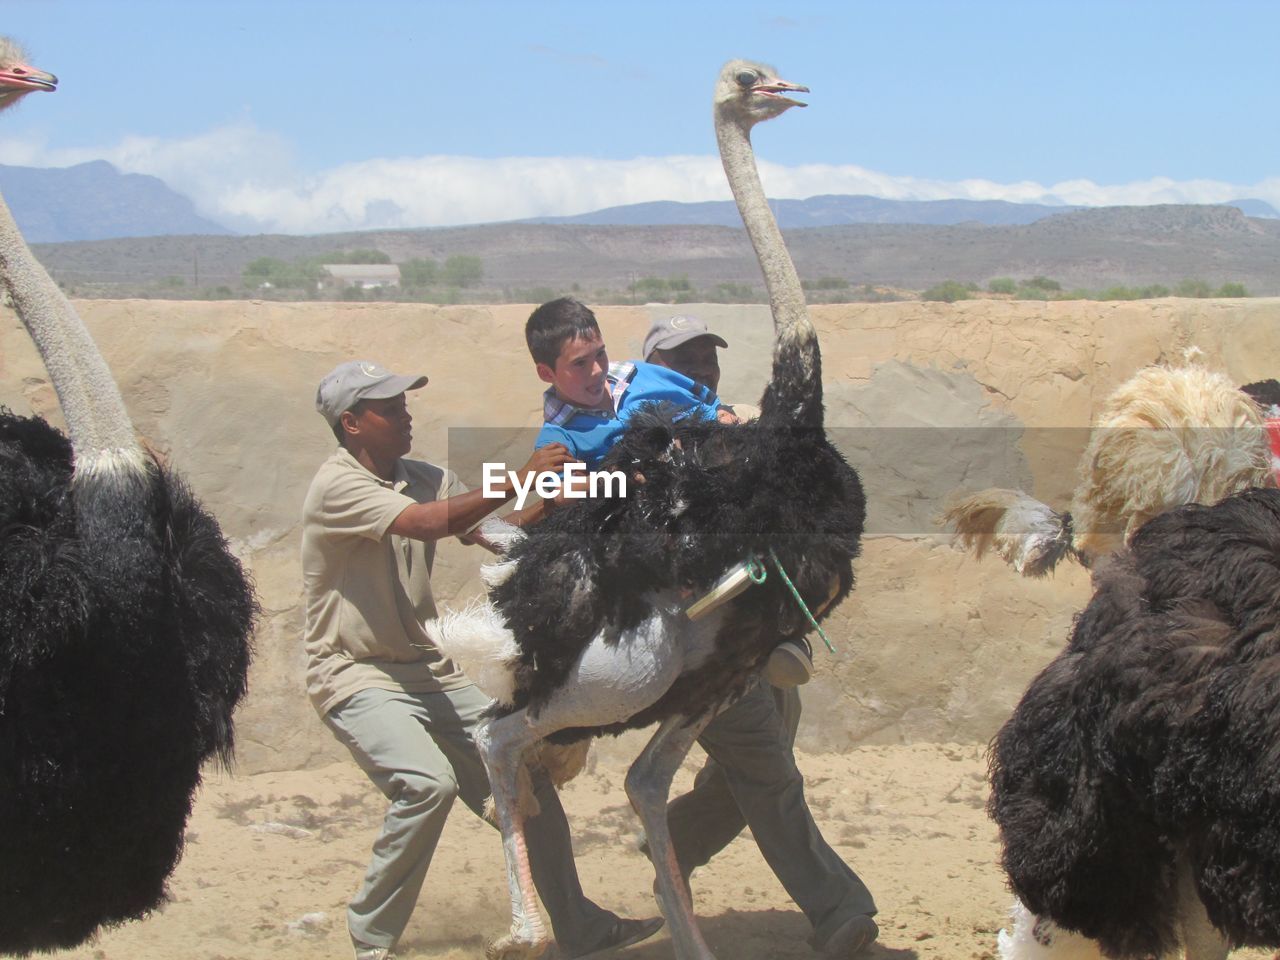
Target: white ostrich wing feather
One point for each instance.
(477, 639)
(501, 534)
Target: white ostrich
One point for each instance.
(586, 631)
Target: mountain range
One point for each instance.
(1092, 249)
(94, 201)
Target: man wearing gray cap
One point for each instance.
(370, 522)
(750, 776)
(685, 345)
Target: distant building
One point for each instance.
(366, 276)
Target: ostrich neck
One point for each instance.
(794, 394)
(101, 434)
(786, 298)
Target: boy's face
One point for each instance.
(579, 373)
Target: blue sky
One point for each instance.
(314, 115)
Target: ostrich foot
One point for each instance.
(512, 947)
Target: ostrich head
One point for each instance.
(17, 79)
(747, 93)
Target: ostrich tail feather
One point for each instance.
(501, 534)
(496, 574)
(1030, 536)
(478, 640)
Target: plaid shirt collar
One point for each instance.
(558, 412)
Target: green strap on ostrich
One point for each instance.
(756, 570)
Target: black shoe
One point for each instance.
(623, 934)
(857, 933)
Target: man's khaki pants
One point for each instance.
(418, 749)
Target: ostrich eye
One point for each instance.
(746, 78)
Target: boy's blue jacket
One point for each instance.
(589, 435)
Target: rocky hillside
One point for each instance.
(1092, 249)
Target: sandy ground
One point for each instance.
(272, 858)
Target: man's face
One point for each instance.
(696, 359)
(579, 373)
(384, 427)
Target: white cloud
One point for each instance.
(250, 180)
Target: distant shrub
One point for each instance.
(1002, 285)
(730, 292)
(1154, 291)
(1119, 293)
(948, 291)
(1042, 283)
(272, 272)
(1192, 288)
(1232, 289)
(462, 270)
(419, 272)
(534, 295)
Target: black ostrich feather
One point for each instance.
(701, 497)
(124, 646)
(1154, 737)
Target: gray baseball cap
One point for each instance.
(673, 331)
(348, 383)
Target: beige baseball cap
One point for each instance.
(348, 383)
(673, 331)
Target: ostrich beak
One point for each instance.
(17, 79)
(774, 89)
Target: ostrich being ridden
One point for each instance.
(586, 631)
(1168, 436)
(1136, 784)
(124, 635)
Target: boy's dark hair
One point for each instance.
(555, 323)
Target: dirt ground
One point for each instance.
(272, 858)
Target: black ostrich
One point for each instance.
(586, 630)
(124, 635)
(1136, 785)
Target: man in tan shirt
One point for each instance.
(406, 713)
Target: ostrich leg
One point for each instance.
(1039, 938)
(615, 678)
(1200, 938)
(648, 786)
(502, 743)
